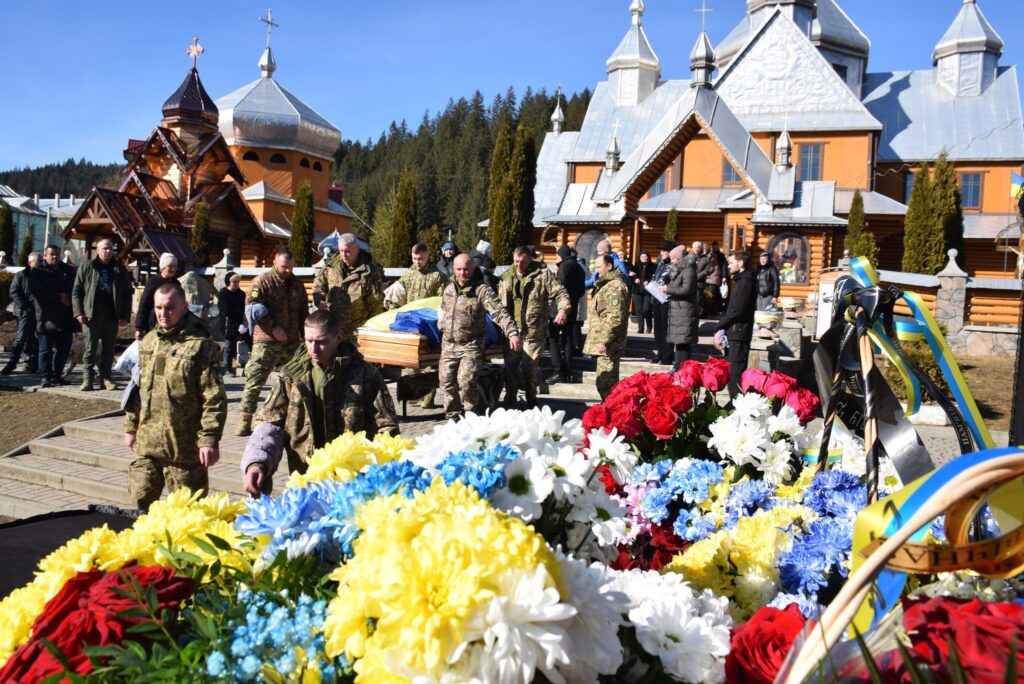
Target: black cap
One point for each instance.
(564, 252)
(667, 245)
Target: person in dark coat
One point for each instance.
(662, 349)
(25, 338)
(66, 281)
(445, 265)
(683, 304)
(144, 318)
(231, 303)
(642, 274)
(485, 265)
(561, 343)
(768, 283)
(44, 288)
(738, 319)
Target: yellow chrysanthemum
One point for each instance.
(344, 457)
(17, 613)
(795, 491)
(421, 567)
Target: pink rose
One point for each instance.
(777, 385)
(715, 374)
(752, 380)
(804, 403)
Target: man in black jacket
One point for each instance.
(768, 283)
(44, 286)
(25, 338)
(231, 303)
(102, 297)
(738, 320)
(560, 338)
(663, 352)
(66, 280)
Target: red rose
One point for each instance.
(661, 420)
(752, 380)
(634, 384)
(626, 418)
(689, 375)
(805, 403)
(595, 418)
(715, 374)
(777, 385)
(760, 645)
(678, 399)
(982, 634)
(657, 383)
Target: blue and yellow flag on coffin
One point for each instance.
(1016, 185)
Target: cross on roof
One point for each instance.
(704, 9)
(194, 50)
(271, 24)
(615, 129)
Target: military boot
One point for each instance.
(108, 384)
(244, 428)
(87, 378)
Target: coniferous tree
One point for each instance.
(380, 241)
(433, 238)
(6, 231)
(301, 241)
(947, 209)
(200, 229)
(501, 205)
(923, 240)
(672, 226)
(522, 174)
(65, 178)
(26, 248)
(403, 222)
(859, 240)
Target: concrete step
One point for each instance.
(110, 431)
(93, 482)
(23, 500)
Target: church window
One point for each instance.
(304, 163)
(792, 257)
(277, 158)
(251, 156)
(810, 161)
(729, 175)
(317, 166)
(659, 186)
(908, 186)
(840, 69)
(970, 190)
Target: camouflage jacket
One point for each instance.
(529, 299)
(422, 283)
(608, 316)
(461, 319)
(354, 294)
(180, 404)
(286, 303)
(355, 400)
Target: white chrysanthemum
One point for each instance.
(786, 422)
(688, 646)
(604, 514)
(595, 628)
(776, 465)
(571, 470)
(751, 405)
(522, 628)
(529, 484)
(610, 448)
(547, 430)
(649, 585)
(755, 589)
(738, 441)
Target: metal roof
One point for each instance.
(264, 114)
(634, 49)
(190, 102)
(744, 199)
(991, 226)
(162, 241)
(689, 199)
(275, 229)
(264, 190)
(921, 118)
(813, 204)
(969, 32)
(552, 174)
(874, 203)
(65, 207)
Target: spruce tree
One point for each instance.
(380, 241)
(672, 226)
(7, 231)
(433, 238)
(403, 222)
(301, 241)
(200, 229)
(522, 175)
(859, 240)
(922, 240)
(500, 204)
(26, 248)
(947, 209)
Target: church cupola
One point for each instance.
(785, 150)
(190, 105)
(967, 55)
(633, 69)
(611, 155)
(557, 118)
(702, 62)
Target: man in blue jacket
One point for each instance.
(605, 247)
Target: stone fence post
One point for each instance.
(221, 269)
(951, 297)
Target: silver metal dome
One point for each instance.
(264, 114)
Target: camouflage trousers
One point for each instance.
(146, 476)
(457, 374)
(522, 369)
(607, 374)
(265, 357)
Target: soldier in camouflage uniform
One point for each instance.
(609, 315)
(276, 335)
(325, 390)
(463, 304)
(175, 418)
(351, 286)
(419, 282)
(527, 290)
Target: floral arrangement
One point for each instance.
(663, 537)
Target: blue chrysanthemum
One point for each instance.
(483, 470)
(745, 499)
(836, 493)
(815, 555)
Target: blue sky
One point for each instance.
(82, 77)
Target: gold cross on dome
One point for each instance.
(704, 9)
(194, 50)
(271, 24)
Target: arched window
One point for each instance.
(277, 158)
(792, 256)
(317, 166)
(304, 163)
(251, 156)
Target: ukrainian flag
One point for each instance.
(1016, 185)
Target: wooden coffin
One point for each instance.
(392, 348)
